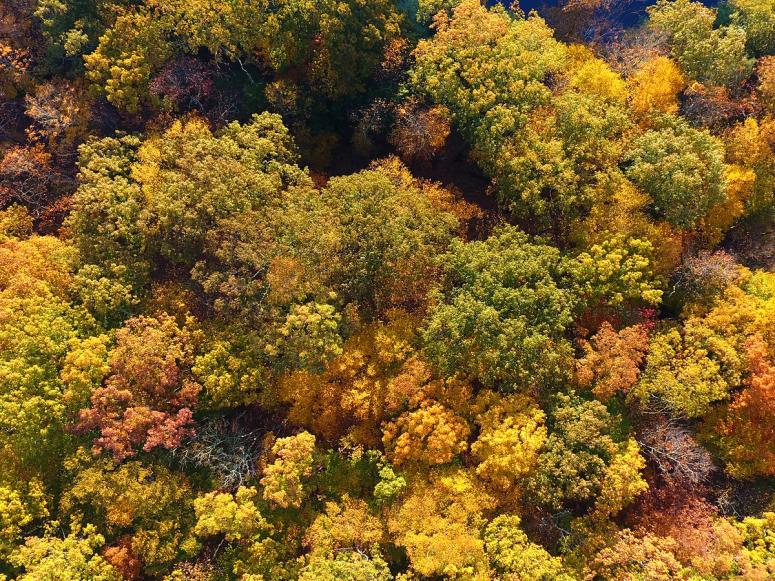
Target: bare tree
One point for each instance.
(226, 449)
(676, 454)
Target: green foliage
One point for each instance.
(339, 42)
(391, 232)
(757, 18)
(191, 178)
(710, 55)
(681, 168)
(501, 312)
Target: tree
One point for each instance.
(27, 177)
(146, 401)
(360, 388)
(192, 178)
(127, 55)
(438, 524)
(748, 144)
(512, 555)
(71, 558)
(344, 526)
(676, 453)
(758, 541)
(39, 329)
(419, 133)
(149, 504)
(688, 369)
(512, 434)
(283, 479)
(392, 229)
(430, 434)
(631, 558)
(757, 18)
(233, 515)
(103, 223)
(490, 70)
(337, 43)
(573, 464)
(612, 360)
(487, 69)
(227, 29)
(716, 56)
(744, 430)
(681, 168)
(654, 88)
(486, 320)
(616, 272)
(346, 566)
(19, 508)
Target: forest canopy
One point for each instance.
(363, 290)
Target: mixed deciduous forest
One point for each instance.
(364, 290)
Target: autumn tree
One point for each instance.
(631, 558)
(687, 370)
(284, 478)
(511, 553)
(41, 337)
(148, 505)
(370, 367)
(582, 463)
(758, 20)
(126, 56)
(512, 435)
(612, 360)
(70, 558)
(430, 434)
(654, 88)
(146, 400)
(192, 178)
(233, 515)
(438, 524)
(743, 429)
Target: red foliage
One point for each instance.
(748, 429)
(146, 401)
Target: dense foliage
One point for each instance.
(362, 290)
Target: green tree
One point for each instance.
(757, 18)
(681, 168)
(501, 312)
(190, 178)
(392, 229)
(716, 56)
(338, 43)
